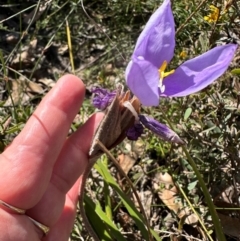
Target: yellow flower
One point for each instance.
(213, 16)
(183, 54)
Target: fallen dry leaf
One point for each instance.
(26, 57)
(231, 226)
(168, 193)
(22, 91)
(47, 81)
(126, 162)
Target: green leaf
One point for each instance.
(103, 226)
(192, 185)
(236, 71)
(129, 205)
(187, 113)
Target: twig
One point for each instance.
(191, 15)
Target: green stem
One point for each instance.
(215, 218)
(193, 209)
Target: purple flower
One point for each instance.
(147, 79)
(102, 97)
(145, 74)
(161, 130)
(134, 132)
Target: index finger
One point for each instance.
(27, 163)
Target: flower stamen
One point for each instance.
(163, 74)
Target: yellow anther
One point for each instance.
(163, 74)
(168, 73)
(162, 69)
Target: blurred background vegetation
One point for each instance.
(35, 52)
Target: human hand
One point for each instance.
(41, 170)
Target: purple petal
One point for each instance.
(134, 132)
(142, 79)
(160, 130)
(156, 43)
(199, 72)
(102, 97)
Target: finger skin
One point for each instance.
(64, 214)
(66, 221)
(71, 163)
(41, 166)
(17, 227)
(27, 163)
